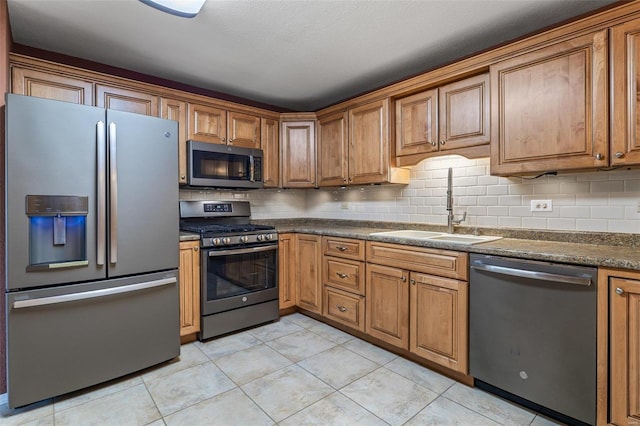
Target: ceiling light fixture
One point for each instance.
(182, 8)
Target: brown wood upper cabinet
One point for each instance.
(126, 100)
(270, 142)
(549, 108)
(25, 81)
(298, 154)
(215, 125)
(333, 150)
(625, 99)
(445, 118)
(176, 110)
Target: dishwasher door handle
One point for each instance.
(536, 275)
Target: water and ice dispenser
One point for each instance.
(57, 231)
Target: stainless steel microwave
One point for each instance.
(222, 166)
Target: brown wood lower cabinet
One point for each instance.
(287, 270)
(624, 380)
(424, 312)
(344, 307)
(308, 272)
(438, 320)
(387, 316)
(189, 279)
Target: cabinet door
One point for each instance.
(369, 143)
(333, 150)
(207, 124)
(298, 154)
(438, 323)
(625, 62)
(549, 108)
(464, 113)
(51, 86)
(387, 306)
(126, 100)
(270, 144)
(172, 109)
(417, 123)
(189, 279)
(243, 130)
(287, 270)
(309, 261)
(624, 380)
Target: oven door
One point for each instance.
(233, 278)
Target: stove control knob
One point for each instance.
(260, 237)
(244, 239)
(216, 241)
(268, 237)
(226, 240)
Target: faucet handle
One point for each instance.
(459, 220)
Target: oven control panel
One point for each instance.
(217, 208)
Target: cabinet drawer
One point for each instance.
(344, 307)
(343, 247)
(343, 273)
(444, 263)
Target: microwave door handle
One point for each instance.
(101, 159)
(113, 199)
(252, 169)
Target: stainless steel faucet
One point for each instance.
(451, 219)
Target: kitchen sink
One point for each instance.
(418, 235)
(438, 236)
(464, 239)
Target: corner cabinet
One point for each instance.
(270, 142)
(189, 280)
(625, 70)
(549, 108)
(298, 147)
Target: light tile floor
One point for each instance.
(296, 371)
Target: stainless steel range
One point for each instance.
(239, 264)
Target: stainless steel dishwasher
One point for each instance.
(533, 334)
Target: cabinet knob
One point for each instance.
(442, 142)
(404, 279)
(223, 139)
(599, 156)
(195, 249)
(619, 154)
(413, 282)
(183, 177)
(230, 140)
(344, 179)
(433, 143)
(619, 291)
(341, 308)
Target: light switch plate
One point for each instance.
(541, 205)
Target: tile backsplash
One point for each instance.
(602, 201)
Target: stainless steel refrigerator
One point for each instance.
(91, 245)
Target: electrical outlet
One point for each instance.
(541, 205)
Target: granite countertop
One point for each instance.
(582, 248)
(188, 236)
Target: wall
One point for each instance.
(602, 201)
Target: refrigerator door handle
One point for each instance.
(52, 300)
(113, 199)
(102, 192)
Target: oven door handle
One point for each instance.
(213, 253)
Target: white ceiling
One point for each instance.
(295, 54)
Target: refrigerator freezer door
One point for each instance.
(51, 149)
(143, 194)
(67, 338)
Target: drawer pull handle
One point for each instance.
(341, 275)
(341, 308)
(341, 248)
